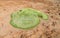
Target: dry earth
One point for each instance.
(46, 29)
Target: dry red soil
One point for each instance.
(46, 29)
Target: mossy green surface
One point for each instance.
(27, 18)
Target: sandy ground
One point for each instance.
(46, 29)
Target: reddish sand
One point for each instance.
(46, 29)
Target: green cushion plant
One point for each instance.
(27, 18)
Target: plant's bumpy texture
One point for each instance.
(27, 18)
